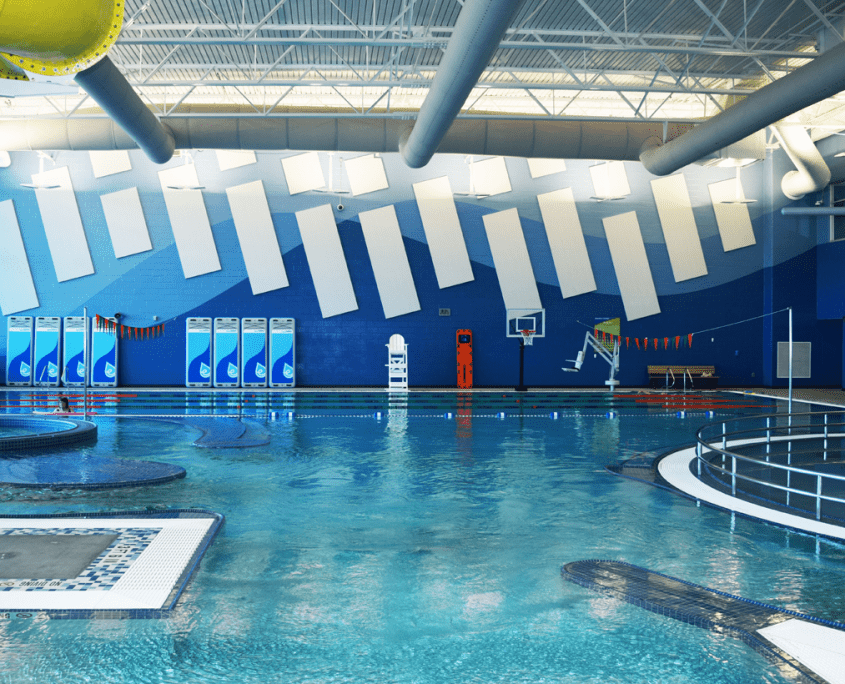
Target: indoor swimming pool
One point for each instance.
(371, 539)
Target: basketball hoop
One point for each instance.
(528, 337)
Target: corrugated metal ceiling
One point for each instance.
(380, 55)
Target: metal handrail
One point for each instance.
(784, 434)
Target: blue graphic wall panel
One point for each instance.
(226, 359)
(282, 353)
(198, 352)
(103, 359)
(47, 341)
(254, 352)
(19, 351)
(73, 360)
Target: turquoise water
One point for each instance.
(424, 549)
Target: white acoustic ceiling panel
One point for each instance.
(679, 230)
(326, 260)
(303, 172)
(389, 261)
(510, 256)
(63, 225)
(232, 159)
(566, 240)
(257, 237)
(490, 177)
(17, 289)
(443, 232)
(108, 162)
(545, 167)
(732, 216)
(366, 174)
(610, 180)
(126, 223)
(189, 221)
(631, 265)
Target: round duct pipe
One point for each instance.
(478, 32)
(811, 83)
(813, 211)
(604, 140)
(812, 173)
(109, 89)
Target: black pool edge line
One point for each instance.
(181, 583)
(760, 645)
(661, 483)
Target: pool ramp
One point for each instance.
(803, 647)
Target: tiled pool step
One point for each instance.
(767, 629)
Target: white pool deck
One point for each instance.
(820, 648)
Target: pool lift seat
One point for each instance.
(397, 363)
(612, 358)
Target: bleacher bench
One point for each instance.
(702, 377)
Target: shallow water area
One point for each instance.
(418, 548)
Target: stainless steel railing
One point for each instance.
(775, 470)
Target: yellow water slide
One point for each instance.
(56, 37)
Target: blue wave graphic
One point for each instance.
(17, 364)
(251, 371)
(221, 374)
(42, 367)
(73, 369)
(104, 367)
(195, 367)
(283, 368)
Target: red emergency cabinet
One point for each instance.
(464, 344)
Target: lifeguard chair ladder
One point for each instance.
(397, 363)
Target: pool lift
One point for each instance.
(599, 348)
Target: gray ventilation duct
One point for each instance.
(477, 34)
(619, 140)
(811, 174)
(109, 89)
(811, 83)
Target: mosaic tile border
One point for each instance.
(103, 572)
(113, 566)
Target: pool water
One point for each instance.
(424, 549)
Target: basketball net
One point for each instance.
(528, 337)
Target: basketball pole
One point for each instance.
(521, 387)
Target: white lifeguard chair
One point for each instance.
(397, 363)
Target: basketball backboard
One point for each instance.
(526, 319)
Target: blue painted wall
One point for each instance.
(787, 267)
